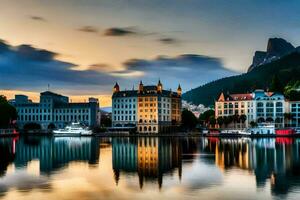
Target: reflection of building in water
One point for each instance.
(7, 153)
(149, 157)
(55, 153)
(124, 155)
(270, 159)
(232, 152)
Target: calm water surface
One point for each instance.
(149, 168)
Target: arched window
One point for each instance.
(141, 129)
(260, 104)
(269, 119)
(149, 129)
(145, 128)
(154, 128)
(270, 104)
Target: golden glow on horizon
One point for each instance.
(105, 100)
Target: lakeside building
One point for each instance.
(150, 108)
(258, 106)
(294, 110)
(55, 111)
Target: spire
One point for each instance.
(179, 90)
(141, 87)
(159, 86)
(116, 88)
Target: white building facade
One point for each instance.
(258, 106)
(55, 111)
(124, 109)
(294, 110)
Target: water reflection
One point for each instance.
(277, 160)
(191, 164)
(7, 153)
(52, 153)
(150, 158)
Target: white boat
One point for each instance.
(75, 129)
(263, 129)
(236, 131)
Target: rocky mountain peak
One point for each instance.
(279, 47)
(276, 48)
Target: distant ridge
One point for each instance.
(286, 67)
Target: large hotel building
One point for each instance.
(55, 110)
(150, 108)
(259, 106)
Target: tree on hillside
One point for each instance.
(8, 113)
(188, 120)
(291, 90)
(287, 69)
(276, 85)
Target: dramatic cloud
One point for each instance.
(168, 40)
(37, 18)
(26, 67)
(88, 29)
(189, 69)
(115, 31)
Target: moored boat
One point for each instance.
(263, 129)
(75, 129)
(285, 132)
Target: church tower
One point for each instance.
(141, 87)
(159, 87)
(116, 88)
(179, 91)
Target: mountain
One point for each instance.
(276, 48)
(286, 68)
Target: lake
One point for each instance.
(149, 168)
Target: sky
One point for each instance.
(82, 47)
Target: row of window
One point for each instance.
(269, 104)
(124, 118)
(124, 112)
(56, 118)
(148, 99)
(147, 129)
(148, 121)
(147, 105)
(124, 100)
(295, 110)
(293, 105)
(269, 110)
(37, 111)
(124, 106)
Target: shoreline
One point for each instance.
(191, 134)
